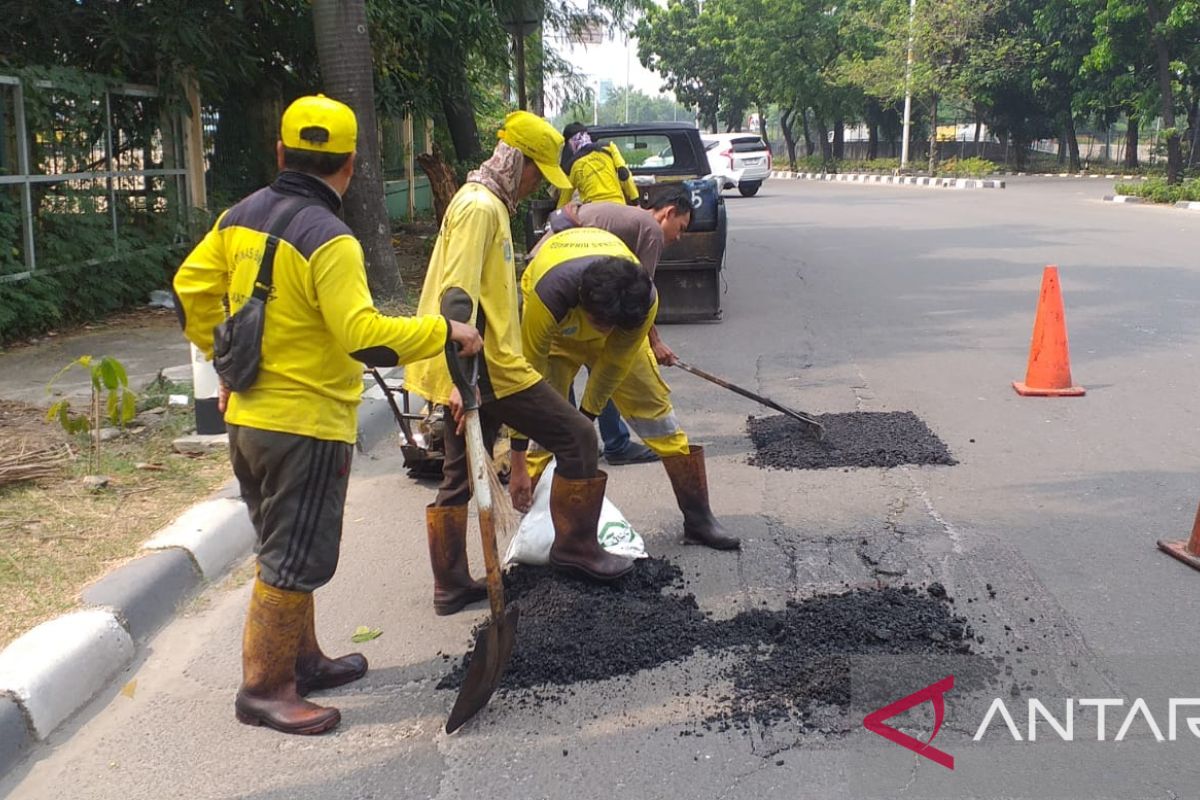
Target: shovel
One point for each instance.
(810, 424)
(494, 642)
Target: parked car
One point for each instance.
(744, 159)
(658, 154)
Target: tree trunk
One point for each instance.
(872, 140)
(823, 137)
(344, 53)
(1131, 143)
(1166, 91)
(1072, 143)
(762, 123)
(1193, 131)
(1062, 146)
(787, 118)
(933, 142)
(808, 142)
(459, 110)
(839, 138)
(978, 127)
(442, 181)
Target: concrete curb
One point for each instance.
(214, 533)
(52, 671)
(1188, 205)
(1123, 198)
(895, 180)
(146, 592)
(57, 667)
(15, 734)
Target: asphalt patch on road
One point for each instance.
(855, 439)
(781, 664)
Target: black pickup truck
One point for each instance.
(689, 274)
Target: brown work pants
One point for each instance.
(540, 413)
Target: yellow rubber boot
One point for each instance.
(316, 671)
(270, 644)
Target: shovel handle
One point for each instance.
(464, 381)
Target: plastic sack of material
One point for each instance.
(532, 543)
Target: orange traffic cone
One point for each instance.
(1188, 552)
(1049, 372)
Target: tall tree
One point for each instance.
(344, 51)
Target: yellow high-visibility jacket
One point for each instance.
(320, 325)
(600, 175)
(553, 322)
(472, 278)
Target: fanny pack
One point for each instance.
(237, 342)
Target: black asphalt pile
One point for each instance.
(798, 660)
(856, 439)
(573, 630)
(780, 663)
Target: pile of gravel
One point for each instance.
(779, 663)
(856, 439)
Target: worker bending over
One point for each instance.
(583, 306)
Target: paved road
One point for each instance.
(841, 297)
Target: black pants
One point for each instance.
(295, 488)
(540, 413)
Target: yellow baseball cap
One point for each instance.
(319, 123)
(538, 141)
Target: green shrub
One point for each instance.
(814, 164)
(966, 168)
(1157, 190)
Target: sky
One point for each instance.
(608, 61)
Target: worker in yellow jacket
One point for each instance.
(597, 170)
(292, 430)
(472, 278)
(583, 306)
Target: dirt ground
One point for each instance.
(57, 535)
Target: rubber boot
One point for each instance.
(690, 482)
(316, 671)
(453, 588)
(270, 644)
(575, 510)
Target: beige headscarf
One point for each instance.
(501, 174)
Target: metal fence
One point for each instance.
(86, 177)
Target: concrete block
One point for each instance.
(15, 736)
(199, 444)
(215, 532)
(1122, 198)
(57, 667)
(146, 591)
(1188, 205)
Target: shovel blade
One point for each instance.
(493, 647)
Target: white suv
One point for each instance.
(741, 160)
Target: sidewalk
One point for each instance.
(146, 341)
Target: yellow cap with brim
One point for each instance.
(538, 141)
(320, 124)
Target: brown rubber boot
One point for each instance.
(446, 527)
(316, 671)
(270, 643)
(575, 511)
(690, 482)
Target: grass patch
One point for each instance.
(56, 535)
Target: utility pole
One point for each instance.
(912, 12)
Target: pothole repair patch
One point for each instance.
(855, 439)
(780, 663)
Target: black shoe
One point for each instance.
(632, 453)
